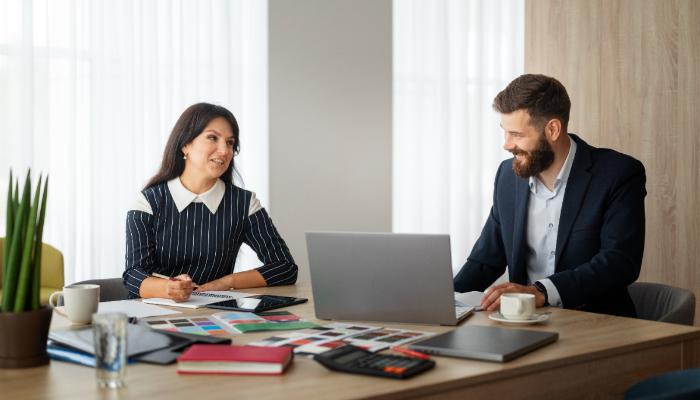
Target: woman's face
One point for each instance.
(210, 153)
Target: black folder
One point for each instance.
(486, 343)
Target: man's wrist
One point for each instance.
(542, 291)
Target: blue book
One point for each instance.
(61, 353)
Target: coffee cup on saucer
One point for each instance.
(518, 306)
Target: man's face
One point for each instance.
(532, 152)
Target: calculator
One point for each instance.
(356, 360)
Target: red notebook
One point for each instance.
(225, 359)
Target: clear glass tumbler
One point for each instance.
(110, 348)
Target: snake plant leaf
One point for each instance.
(13, 263)
(8, 228)
(15, 202)
(36, 277)
(24, 283)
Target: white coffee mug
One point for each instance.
(517, 306)
(80, 301)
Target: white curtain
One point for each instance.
(90, 90)
(451, 58)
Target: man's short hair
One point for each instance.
(543, 97)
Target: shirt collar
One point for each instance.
(183, 197)
(565, 171)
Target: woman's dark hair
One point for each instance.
(543, 97)
(190, 125)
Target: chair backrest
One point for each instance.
(110, 289)
(663, 303)
(675, 385)
(51, 265)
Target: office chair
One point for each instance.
(110, 289)
(51, 270)
(663, 303)
(676, 385)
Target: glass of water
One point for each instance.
(109, 330)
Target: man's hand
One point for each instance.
(492, 298)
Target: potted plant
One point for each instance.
(24, 323)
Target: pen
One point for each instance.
(168, 278)
(410, 352)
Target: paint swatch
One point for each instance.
(243, 322)
(321, 334)
(196, 325)
(309, 342)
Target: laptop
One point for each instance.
(383, 277)
(487, 343)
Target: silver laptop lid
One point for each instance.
(386, 277)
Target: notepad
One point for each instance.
(200, 299)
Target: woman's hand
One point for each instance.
(179, 288)
(219, 284)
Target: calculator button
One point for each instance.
(389, 369)
(399, 370)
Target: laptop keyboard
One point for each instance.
(461, 304)
(462, 311)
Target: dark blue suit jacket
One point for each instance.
(600, 241)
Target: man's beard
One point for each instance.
(536, 160)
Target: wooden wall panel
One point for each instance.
(557, 32)
(639, 115)
(646, 88)
(688, 150)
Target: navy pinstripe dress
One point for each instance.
(200, 243)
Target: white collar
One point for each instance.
(565, 171)
(183, 197)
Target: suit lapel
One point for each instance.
(522, 195)
(576, 189)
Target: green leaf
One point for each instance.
(24, 284)
(36, 278)
(13, 263)
(8, 230)
(15, 202)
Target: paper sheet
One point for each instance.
(472, 299)
(200, 299)
(131, 308)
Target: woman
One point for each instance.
(190, 220)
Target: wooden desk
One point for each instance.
(596, 356)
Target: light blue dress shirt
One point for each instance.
(543, 210)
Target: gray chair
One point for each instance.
(110, 289)
(663, 303)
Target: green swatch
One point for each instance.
(274, 326)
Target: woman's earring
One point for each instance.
(185, 157)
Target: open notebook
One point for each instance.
(200, 299)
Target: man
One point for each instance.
(568, 218)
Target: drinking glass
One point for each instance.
(109, 330)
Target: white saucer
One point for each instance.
(497, 316)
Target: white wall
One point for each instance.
(330, 93)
